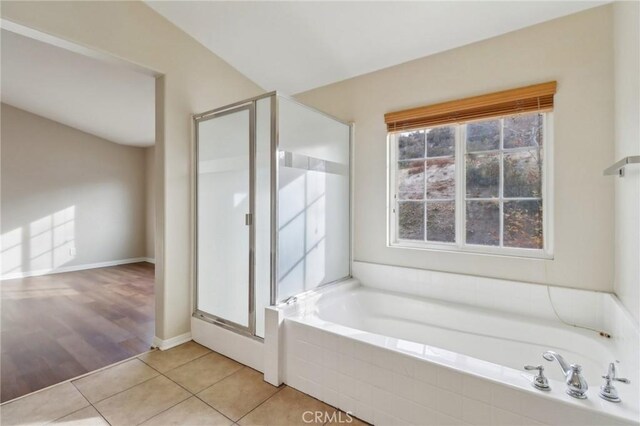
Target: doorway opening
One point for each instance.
(78, 210)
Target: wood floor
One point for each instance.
(59, 326)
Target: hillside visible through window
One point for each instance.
(502, 180)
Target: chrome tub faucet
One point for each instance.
(576, 384)
(539, 380)
(608, 392)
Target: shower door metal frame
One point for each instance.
(209, 317)
(251, 104)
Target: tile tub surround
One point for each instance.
(142, 390)
(384, 386)
(358, 371)
(602, 311)
(573, 305)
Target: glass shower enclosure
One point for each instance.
(272, 207)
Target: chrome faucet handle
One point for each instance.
(539, 380)
(576, 384)
(608, 392)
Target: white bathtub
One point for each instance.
(393, 358)
(447, 328)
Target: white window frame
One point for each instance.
(460, 205)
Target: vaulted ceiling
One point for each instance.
(91, 95)
(287, 46)
(295, 46)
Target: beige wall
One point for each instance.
(68, 198)
(627, 142)
(193, 80)
(577, 52)
(150, 211)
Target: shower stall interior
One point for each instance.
(272, 207)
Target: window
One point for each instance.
(479, 185)
(425, 185)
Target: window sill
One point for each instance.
(521, 253)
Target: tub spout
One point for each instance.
(551, 356)
(576, 384)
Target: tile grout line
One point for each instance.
(307, 395)
(195, 359)
(282, 387)
(262, 403)
(82, 376)
(91, 404)
(214, 409)
(80, 409)
(173, 381)
(235, 372)
(168, 408)
(192, 394)
(179, 385)
(123, 390)
(178, 366)
(159, 373)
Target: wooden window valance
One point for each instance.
(538, 97)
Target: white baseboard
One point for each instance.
(39, 272)
(163, 345)
(149, 259)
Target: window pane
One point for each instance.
(483, 223)
(523, 130)
(483, 175)
(411, 180)
(411, 220)
(441, 221)
(523, 224)
(441, 141)
(411, 145)
(483, 135)
(441, 182)
(523, 174)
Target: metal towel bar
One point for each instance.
(618, 167)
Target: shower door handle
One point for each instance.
(248, 219)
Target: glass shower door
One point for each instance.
(224, 269)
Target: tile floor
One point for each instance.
(186, 385)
